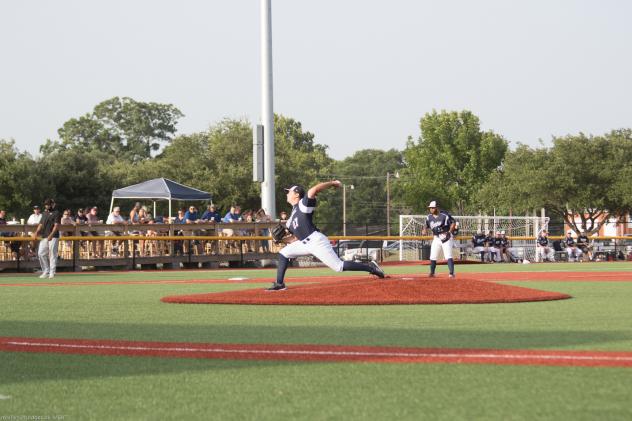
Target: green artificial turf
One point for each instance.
(93, 387)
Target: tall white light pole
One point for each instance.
(267, 111)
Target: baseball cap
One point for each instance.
(36, 207)
(297, 189)
(433, 204)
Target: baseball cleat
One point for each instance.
(277, 287)
(451, 276)
(431, 275)
(376, 270)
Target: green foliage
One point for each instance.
(579, 175)
(121, 126)
(451, 160)
(20, 185)
(299, 160)
(366, 204)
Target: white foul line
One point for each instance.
(334, 353)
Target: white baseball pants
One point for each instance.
(47, 253)
(438, 245)
(318, 245)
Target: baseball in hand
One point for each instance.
(336, 183)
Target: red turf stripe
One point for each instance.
(331, 353)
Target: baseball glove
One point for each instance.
(282, 235)
(445, 236)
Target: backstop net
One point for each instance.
(521, 230)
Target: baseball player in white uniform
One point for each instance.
(306, 238)
(442, 226)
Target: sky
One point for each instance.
(358, 74)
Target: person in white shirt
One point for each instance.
(35, 217)
(115, 218)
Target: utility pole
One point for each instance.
(267, 111)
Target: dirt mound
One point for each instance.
(396, 289)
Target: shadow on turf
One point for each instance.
(54, 366)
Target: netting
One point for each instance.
(522, 231)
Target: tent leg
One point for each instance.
(111, 205)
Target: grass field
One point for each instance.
(597, 318)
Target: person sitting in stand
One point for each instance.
(478, 244)
(211, 214)
(574, 254)
(583, 244)
(134, 217)
(283, 216)
(191, 216)
(115, 218)
(544, 248)
(263, 218)
(67, 219)
(93, 218)
(33, 220)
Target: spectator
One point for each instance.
(93, 218)
(142, 216)
(67, 219)
(3, 221)
(478, 244)
(179, 219)
(81, 217)
(191, 216)
(211, 214)
(283, 216)
(115, 217)
(49, 244)
(134, 218)
(571, 248)
(263, 218)
(545, 250)
(233, 215)
(35, 217)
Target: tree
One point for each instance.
(451, 160)
(130, 129)
(580, 176)
(220, 161)
(299, 160)
(20, 186)
(366, 204)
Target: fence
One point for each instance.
(212, 245)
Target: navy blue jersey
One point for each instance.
(504, 242)
(582, 240)
(543, 241)
(569, 241)
(440, 223)
(300, 222)
(489, 240)
(478, 240)
(498, 242)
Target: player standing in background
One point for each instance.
(306, 238)
(545, 250)
(442, 226)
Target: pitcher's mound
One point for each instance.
(396, 289)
